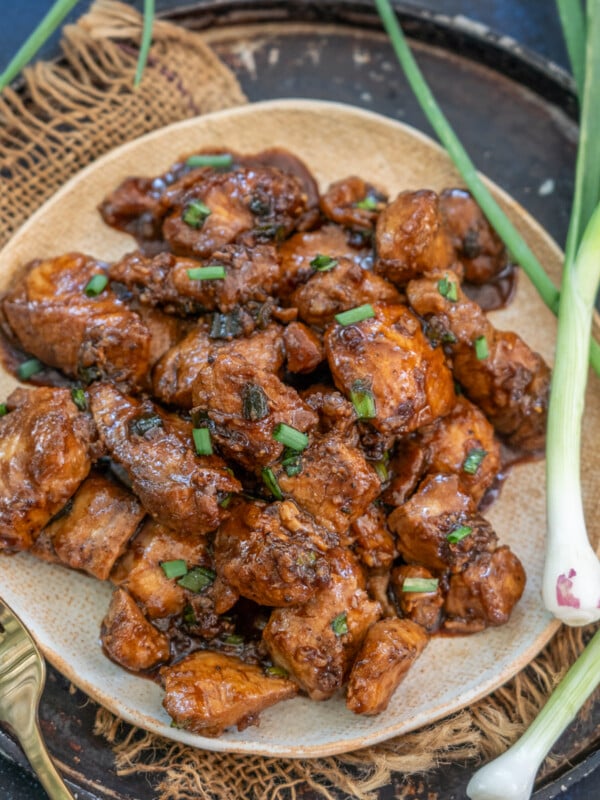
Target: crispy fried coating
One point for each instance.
(389, 649)
(177, 487)
(208, 692)
(105, 338)
(45, 454)
(129, 638)
(390, 358)
(273, 554)
(318, 641)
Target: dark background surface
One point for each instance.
(532, 23)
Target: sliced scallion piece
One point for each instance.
(322, 263)
(234, 638)
(96, 285)
(226, 500)
(202, 441)
(215, 160)
(194, 213)
(368, 203)
(28, 368)
(447, 289)
(339, 625)
(458, 534)
(79, 398)
(420, 585)
(276, 672)
(197, 579)
(292, 463)
(354, 315)
(290, 437)
(3, 409)
(270, 482)
(473, 460)
(363, 399)
(211, 272)
(139, 426)
(174, 569)
(481, 348)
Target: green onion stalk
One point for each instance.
(511, 775)
(571, 582)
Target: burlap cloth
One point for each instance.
(64, 117)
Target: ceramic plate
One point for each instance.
(64, 608)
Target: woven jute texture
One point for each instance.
(66, 115)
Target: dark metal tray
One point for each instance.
(515, 113)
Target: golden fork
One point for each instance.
(22, 678)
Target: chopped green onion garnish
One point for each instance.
(174, 569)
(382, 470)
(234, 638)
(473, 460)
(339, 625)
(481, 348)
(141, 425)
(447, 289)
(3, 409)
(197, 579)
(211, 273)
(368, 203)
(290, 437)
(276, 672)
(195, 213)
(216, 160)
(189, 615)
(29, 368)
(355, 315)
(255, 403)
(292, 462)
(96, 285)
(363, 400)
(270, 482)
(420, 585)
(322, 263)
(224, 503)
(79, 398)
(202, 441)
(459, 533)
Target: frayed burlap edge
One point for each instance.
(70, 112)
(474, 734)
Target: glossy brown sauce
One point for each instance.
(497, 293)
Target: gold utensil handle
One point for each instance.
(35, 750)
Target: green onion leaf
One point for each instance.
(458, 534)
(276, 672)
(175, 568)
(96, 285)
(363, 400)
(197, 579)
(195, 213)
(339, 625)
(215, 160)
(355, 315)
(55, 15)
(270, 482)
(473, 460)
(189, 615)
(210, 273)
(146, 41)
(290, 437)
(572, 18)
(28, 368)
(420, 585)
(447, 289)
(255, 403)
(234, 638)
(382, 470)
(3, 409)
(79, 398)
(224, 503)
(368, 203)
(481, 348)
(202, 441)
(322, 263)
(292, 462)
